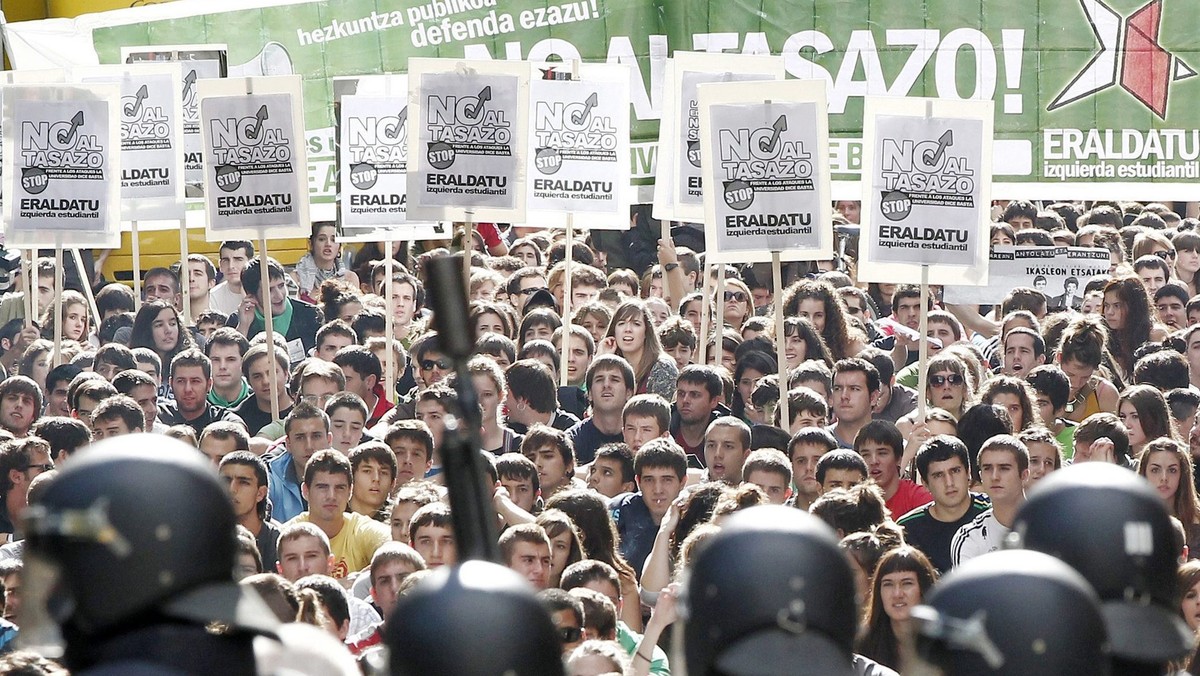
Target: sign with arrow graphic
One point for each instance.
(373, 157)
(62, 164)
(578, 139)
(928, 188)
(467, 139)
(199, 62)
(254, 158)
(766, 188)
(151, 137)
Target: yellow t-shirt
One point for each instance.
(355, 543)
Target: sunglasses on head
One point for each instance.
(953, 379)
(734, 297)
(430, 364)
(569, 634)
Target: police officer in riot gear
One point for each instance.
(1110, 525)
(130, 552)
(773, 594)
(1010, 613)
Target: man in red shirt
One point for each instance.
(364, 377)
(881, 445)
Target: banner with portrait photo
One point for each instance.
(1060, 272)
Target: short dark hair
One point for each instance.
(613, 363)
(262, 351)
(23, 385)
(373, 450)
(225, 430)
(620, 453)
(93, 387)
(1050, 380)
(65, 435)
(881, 432)
(248, 459)
(115, 297)
(1165, 370)
(336, 327)
(531, 380)
(816, 436)
(252, 275)
(540, 436)
(939, 449)
(650, 405)
(122, 407)
(411, 430)
(127, 380)
(304, 411)
(192, 357)
(117, 355)
(703, 374)
(517, 466)
(348, 400)
(842, 459)
(852, 364)
(363, 361)
(331, 594)
(237, 245)
(1108, 425)
(330, 461)
(1007, 442)
(660, 452)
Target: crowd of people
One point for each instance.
(611, 465)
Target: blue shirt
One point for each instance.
(635, 526)
(283, 488)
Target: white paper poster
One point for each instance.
(577, 159)
(693, 69)
(151, 137)
(467, 140)
(374, 159)
(927, 188)
(255, 167)
(199, 62)
(62, 164)
(1059, 272)
(762, 159)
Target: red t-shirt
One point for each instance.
(908, 497)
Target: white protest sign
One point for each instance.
(768, 186)
(926, 190)
(363, 138)
(467, 138)
(255, 164)
(151, 137)
(577, 159)
(62, 165)
(1060, 272)
(199, 62)
(9, 77)
(681, 144)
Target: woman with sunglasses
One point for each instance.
(950, 387)
(631, 335)
(738, 303)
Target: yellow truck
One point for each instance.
(160, 248)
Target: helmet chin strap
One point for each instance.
(969, 634)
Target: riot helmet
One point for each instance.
(1110, 525)
(771, 593)
(1012, 613)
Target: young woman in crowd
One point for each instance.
(950, 385)
(1167, 465)
(901, 581)
(801, 343)
(565, 545)
(1145, 414)
(1080, 354)
(631, 335)
(159, 327)
(323, 261)
(1127, 314)
(72, 312)
(816, 301)
(1015, 396)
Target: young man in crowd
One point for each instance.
(645, 417)
(532, 398)
(225, 349)
(881, 446)
(246, 476)
(945, 469)
(840, 469)
(550, 451)
(292, 318)
(20, 405)
(412, 443)
(140, 387)
(431, 533)
(117, 416)
(353, 537)
(364, 377)
(255, 411)
(660, 468)
(348, 420)
(333, 336)
(611, 472)
(726, 445)
(698, 402)
(525, 548)
(610, 384)
(856, 388)
(1003, 471)
(307, 431)
(805, 451)
(227, 296)
(191, 379)
(770, 470)
(374, 468)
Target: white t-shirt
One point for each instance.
(222, 299)
(984, 534)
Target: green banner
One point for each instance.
(1093, 98)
